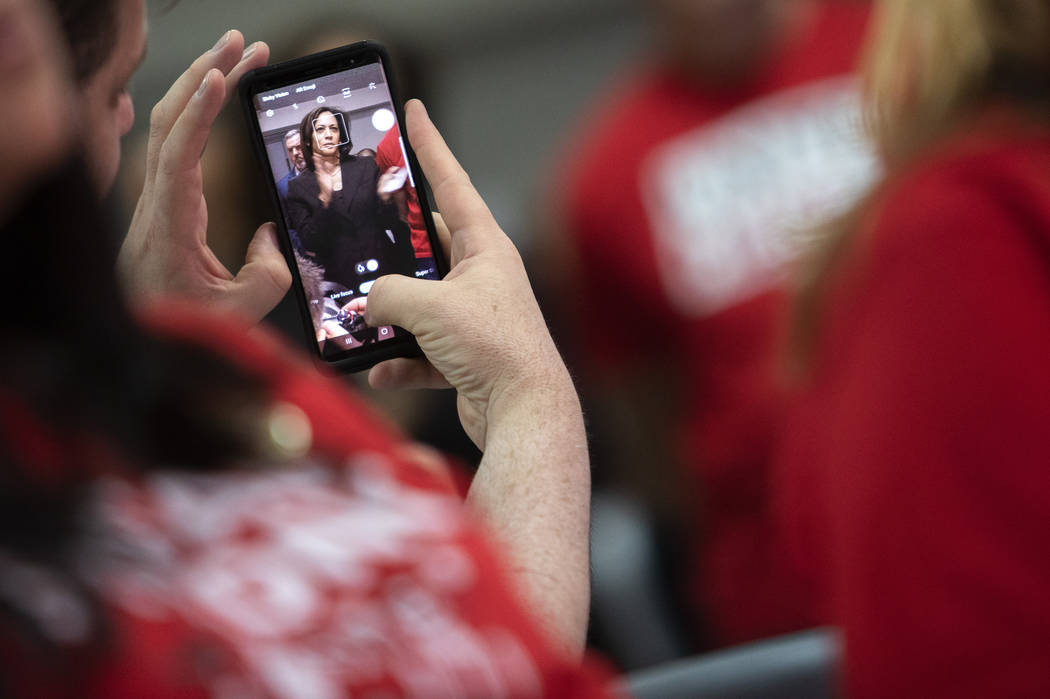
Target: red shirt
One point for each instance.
(681, 204)
(352, 573)
(388, 155)
(914, 479)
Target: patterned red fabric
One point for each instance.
(353, 572)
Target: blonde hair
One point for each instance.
(928, 66)
(930, 62)
(923, 63)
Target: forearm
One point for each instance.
(532, 491)
(482, 333)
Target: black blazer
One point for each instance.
(355, 228)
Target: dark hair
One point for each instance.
(88, 27)
(84, 390)
(306, 134)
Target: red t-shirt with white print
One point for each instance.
(354, 572)
(686, 205)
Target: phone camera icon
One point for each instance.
(320, 99)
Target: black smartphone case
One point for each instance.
(301, 70)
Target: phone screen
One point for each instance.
(347, 195)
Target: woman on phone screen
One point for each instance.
(343, 209)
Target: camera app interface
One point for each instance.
(348, 199)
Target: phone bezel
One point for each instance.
(299, 70)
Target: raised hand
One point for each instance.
(480, 328)
(166, 251)
(389, 182)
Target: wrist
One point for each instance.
(541, 393)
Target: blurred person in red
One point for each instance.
(188, 510)
(391, 155)
(914, 481)
(685, 194)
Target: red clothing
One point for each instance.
(354, 573)
(914, 475)
(681, 202)
(388, 155)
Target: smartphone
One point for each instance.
(328, 134)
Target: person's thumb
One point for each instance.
(399, 300)
(264, 279)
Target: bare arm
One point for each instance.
(532, 490)
(482, 333)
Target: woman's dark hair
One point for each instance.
(84, 390)
(306, 134)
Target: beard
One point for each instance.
(59, 267)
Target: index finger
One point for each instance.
(460, 204)
(224, 56)
(181, 148)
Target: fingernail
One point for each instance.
(222, 41)
(204, 85)
(250, 50)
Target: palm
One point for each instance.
(213, 268)
(166, 251)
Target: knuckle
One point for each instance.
(157, 114)
(278, 277)
(166, 160)
(377, 297)
(377, 288)
(158, 120)
(510, 249)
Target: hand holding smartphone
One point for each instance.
(347, 217)
(482, 329)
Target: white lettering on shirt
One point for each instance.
(728, 202)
